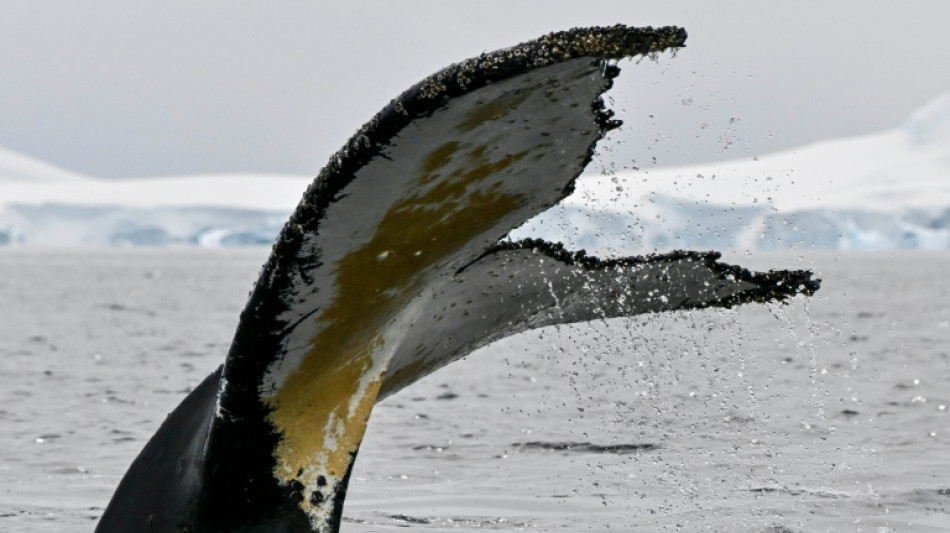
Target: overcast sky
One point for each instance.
(122, 88)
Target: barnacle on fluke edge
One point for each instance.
(394, 264)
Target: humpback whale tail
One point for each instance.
(394, 264)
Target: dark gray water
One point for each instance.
(830, 415)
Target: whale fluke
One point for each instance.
(395, 263)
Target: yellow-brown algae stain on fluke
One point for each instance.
(495, 110)
(320, 410)
(335, 418)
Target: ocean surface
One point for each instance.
(829, 414)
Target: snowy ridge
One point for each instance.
(904, 168)
(877, 192)
(20, 168)
(884, 191)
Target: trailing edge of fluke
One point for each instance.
(394, 264)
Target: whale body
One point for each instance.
(396, 263)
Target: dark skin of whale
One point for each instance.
(394, 264)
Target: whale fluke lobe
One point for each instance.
(396, 263)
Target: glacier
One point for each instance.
(680, 224)
(55, 224)
(606, 232)
(885, 191)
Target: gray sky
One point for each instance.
(117, 88)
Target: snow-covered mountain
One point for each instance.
(885, 191)
(16, 167)
(43, 205)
